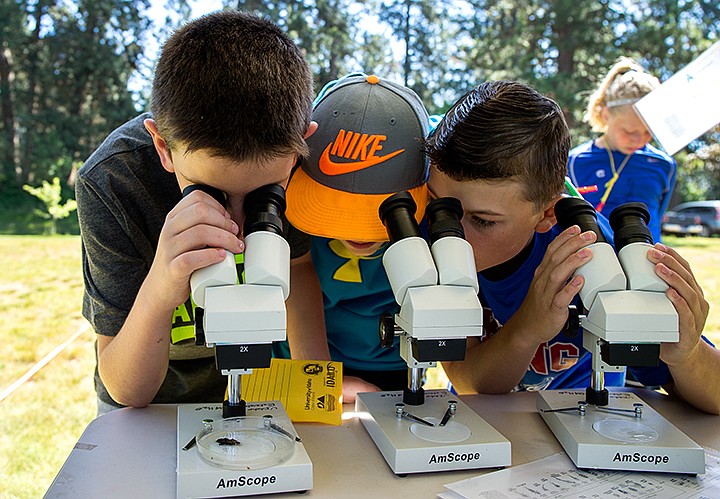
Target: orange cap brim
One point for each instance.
(322, 211)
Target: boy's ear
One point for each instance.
(160, 145)
(311, 129)
(548, 217)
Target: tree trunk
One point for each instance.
(8, 118)
(566, 43)
(406, 62)
(26, 152)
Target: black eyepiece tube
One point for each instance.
(444, 215)
(264, 208)
(577, 211)
(217, 194)
(398, 216)
(629, 224)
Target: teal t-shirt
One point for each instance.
(356, 292)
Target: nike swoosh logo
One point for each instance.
(330, 167)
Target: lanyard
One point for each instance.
(616, 174)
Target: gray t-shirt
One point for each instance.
(124, 194)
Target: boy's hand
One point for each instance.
(545, 308)
(688, 299)
(353, 385)
(196, 233)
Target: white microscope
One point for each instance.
(627, 316)
(239, 448)
(436, 287)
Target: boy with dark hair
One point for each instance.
(231, 105)
(234, 85)
(502, 150)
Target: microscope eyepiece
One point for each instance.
(576, 211)
(629, 223)
(444, 215)
(217, 194)
(398, 216)
(263, 210)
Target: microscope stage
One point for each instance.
(603, 439)
(196, 477)
(466, 442)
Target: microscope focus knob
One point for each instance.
(199, 327)
(387, 330)
(572, 325)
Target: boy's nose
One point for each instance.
(236, 213)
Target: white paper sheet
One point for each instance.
(557, 477)
(686, 105)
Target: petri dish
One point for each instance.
(245, 442)
(626, 430)
(452, 432)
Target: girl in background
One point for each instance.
(620, 165)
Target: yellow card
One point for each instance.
(310, 390)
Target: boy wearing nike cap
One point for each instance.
(368, 146)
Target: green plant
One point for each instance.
(51, 196)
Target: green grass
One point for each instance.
(40, 299)
(40, 296)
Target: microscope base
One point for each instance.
(198, 478)
(466, 442)
(602, 439)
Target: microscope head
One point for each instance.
(626, 308)
(241, 320)
(436, 287)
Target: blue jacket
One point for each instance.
(649, 177)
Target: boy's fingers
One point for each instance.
(565, 296)
(676, 272)
(203, 236)
(188, 262)
(670, 251)
(569, 245)
(568, 257)
(200, 208)
(687, 293)
(563, 238)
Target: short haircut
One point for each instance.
(504, 130)
(234, 84)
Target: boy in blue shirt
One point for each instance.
(502, 150)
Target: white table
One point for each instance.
(132, 452)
